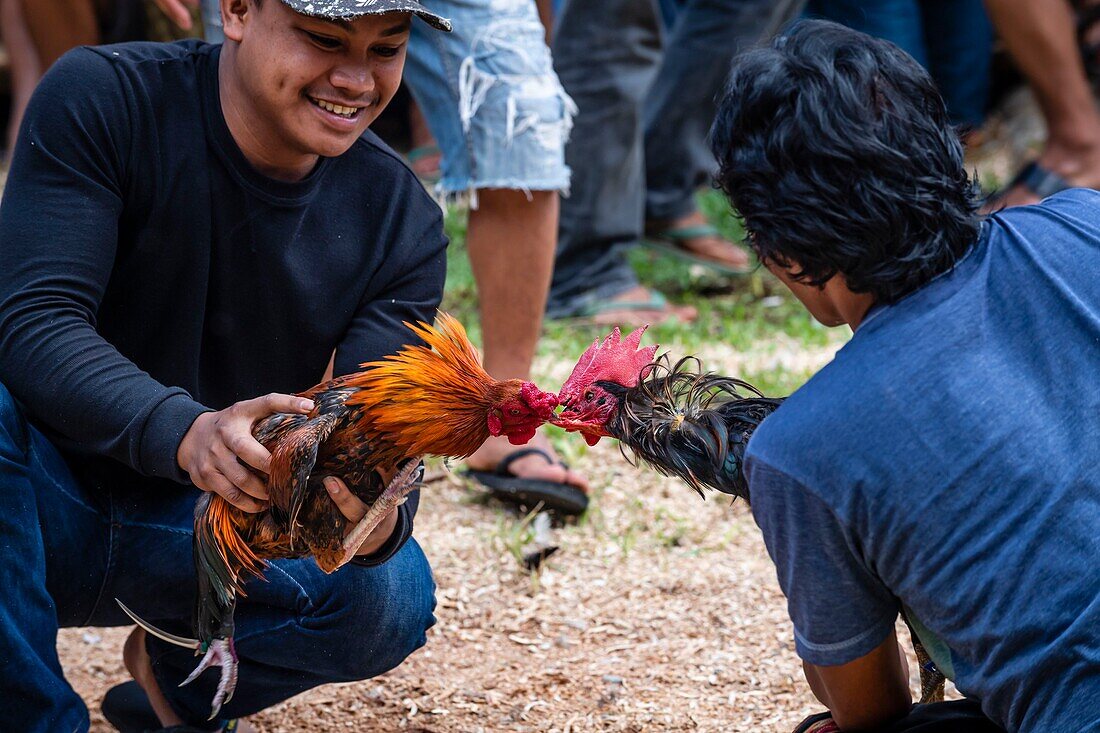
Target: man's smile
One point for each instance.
(340, 110)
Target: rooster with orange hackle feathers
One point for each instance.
(434, 399)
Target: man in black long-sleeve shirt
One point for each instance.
(186, 227)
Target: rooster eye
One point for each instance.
(514, 411)
(589, 394)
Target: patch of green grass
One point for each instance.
(741, 312)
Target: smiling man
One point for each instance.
(187, 227)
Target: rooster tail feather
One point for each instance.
(292, 461)
(691, 424)
(223, 561)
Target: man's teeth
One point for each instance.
(338, 109)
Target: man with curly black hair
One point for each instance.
(944, 464)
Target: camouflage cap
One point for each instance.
(347, 9)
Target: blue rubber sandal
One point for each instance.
(671, 241)
(1035, 178)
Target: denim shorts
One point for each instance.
(491, 98)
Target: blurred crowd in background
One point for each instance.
(618, 124)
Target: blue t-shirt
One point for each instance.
(949, 459)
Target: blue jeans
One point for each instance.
(953, 39)
(68, 549)
(645, 101)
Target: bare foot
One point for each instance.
(137, 662)
(633, 316)
(495, 450)
(140, 667)
(712, 247)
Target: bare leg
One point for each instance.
(1041, 37)
(140, 668)
(138, 664)
(59, 25)
(511, 242)
(26, 69)
(427, 164)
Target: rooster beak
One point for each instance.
(592, 432)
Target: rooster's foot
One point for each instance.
(395, 492)
(220, 653)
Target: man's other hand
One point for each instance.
(354, 510)
(210, 450)
(178, 11)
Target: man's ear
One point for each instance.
(235, 13)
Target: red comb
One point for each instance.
(543, 403)
(616, 360)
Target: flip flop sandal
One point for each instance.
(1036, 179)
(586, 313)
(671, 241)
(527, 493)
(126, 707)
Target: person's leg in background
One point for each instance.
(704, 37)
(959, 42)
(490, 96)
(36, 33)
(899, 21)
(1040, 36)
(606, 54)
(26, 68)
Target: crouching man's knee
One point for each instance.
(13, 425)
(380, 615)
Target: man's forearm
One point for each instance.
(866, 692)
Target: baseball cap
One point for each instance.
(353, 8)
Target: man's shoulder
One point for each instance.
(847, 408)
(92, 72)
(373, 150)
(821, 415)
(386, 172)
(137, 52)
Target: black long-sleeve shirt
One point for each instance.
(150, 273)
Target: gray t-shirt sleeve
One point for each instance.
(840, 609)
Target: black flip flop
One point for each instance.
(1035, 178)
(527, 493)
(126, 707)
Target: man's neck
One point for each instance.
(249, 133)
(851, 307)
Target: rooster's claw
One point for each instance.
(220, 653)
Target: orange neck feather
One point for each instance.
(432, 399)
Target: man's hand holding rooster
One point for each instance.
(219, 448)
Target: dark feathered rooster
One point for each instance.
(425, 400)
(678, 419)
